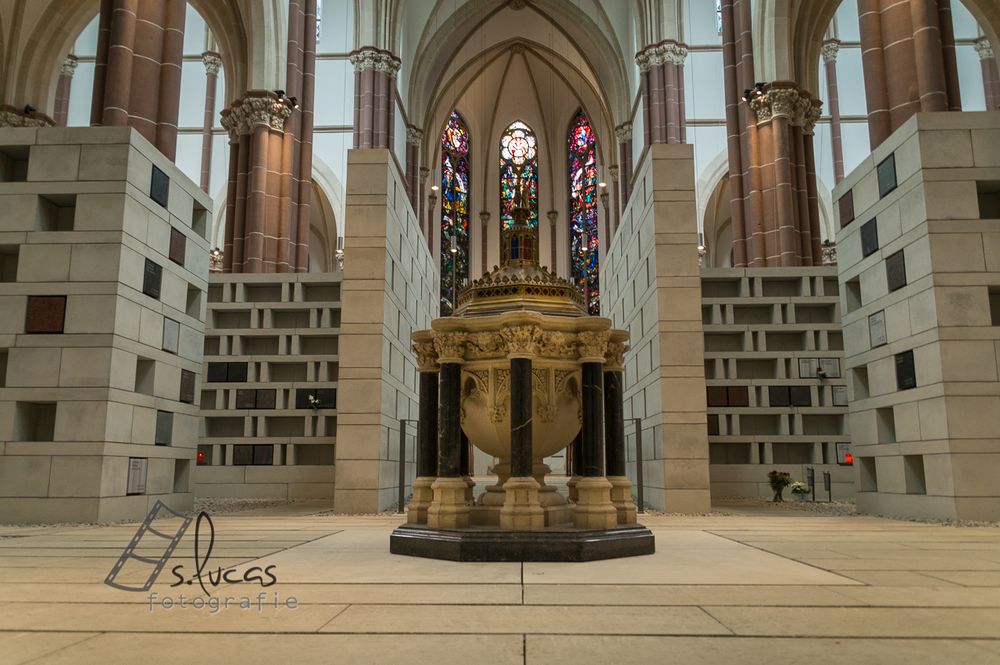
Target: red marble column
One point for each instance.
(673, 120)
(991, 75)
(680, 54)
(63, 87)
(873, 64)
(212, 63)
(734, 133)
(928, 55)
(374, 107)
(307, 106)
(171, 59)
(949, 55)
(830, 50)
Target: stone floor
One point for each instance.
(757, 587)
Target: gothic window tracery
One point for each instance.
(518, 167)
(583, 227)
(454, 209)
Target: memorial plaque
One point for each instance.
(242, 455)
(739, 396)
(187, 386)
(45, 314)
(906, 373)
(164, 428)
(136, 483)
(830, 367)
(846, 206)
(895, 271)
(807, 368)
(713, 424)
(777, 396)
(886, 176)
(151, 278)
(876, 329)
(246, 398)
(178, 246)
(171, 335)
(844, 456)
(263, 454)
(237, 372)
(267, 398)
(717, 396)
(800, 396)
(869, 237)
(840, 395)
(218, 372)
(159, 187)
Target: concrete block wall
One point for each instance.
(270, 343)
(766, 332)
(652, 287)
(102, 294)
(389, 289)
(919, 253)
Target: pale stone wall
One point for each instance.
(261, 436)
(78, 221)
(652, 287)
(765, 328)
(930, 450)
(389, 289)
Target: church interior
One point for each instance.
(551, 330)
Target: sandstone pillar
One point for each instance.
(212, 63)
(830, 50)
(65, 83)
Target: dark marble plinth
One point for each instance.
(491, 544)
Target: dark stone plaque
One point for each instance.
(164, 428)
(846, 206)
(800, 396)
(178, 245)
(869, 237)
(242, 455)
(906, 373)
(713, 424)
(187, 387)
(778, 395)
(263, 454)
(717, 396)
(887, 176)
(151, 278)
(266, 399)
(45, 314)
(237, 372)
(895, 271)
(218, 372)
(739, 396)
(246, 398)
(159, 186)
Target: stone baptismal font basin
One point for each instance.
(521, 371)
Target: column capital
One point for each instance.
(673, 52)
(593, 344)
(369, 57)
(984, 48)
(424, 172)
(830, 49)
(450, 347)
(614, 357)
(68, 67)
(212, 62)
(553, 215)
(256, 108)
(787, 100)
(427, 357)
(623, 132)
(613, 170)
(484, 217)
(414, 135)
(521, 341)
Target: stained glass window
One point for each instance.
(518, 163)
(718, 16)
(583, 239)
(454, 209)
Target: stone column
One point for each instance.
(484, 239)
(212, 62)
(449, 509)
(949, 55)
(553, 216)
(302, 167)
(991, 76)
(830, 50)
(673, 56)
(419, 209)
(521, 509)
(614, 432)
(374, 108)
(616, 208)
(593, 509)
(734, 129)
(624, 135)
(414, 137)
(576, 469)
(648, 93)
(680, 55)
(66, 71)
(873, 64)
(427, 432)
(928, 50)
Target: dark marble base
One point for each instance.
(492, 544)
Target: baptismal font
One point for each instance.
(521, 371)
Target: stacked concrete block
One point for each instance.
(919, 254)
(269, 399)
(390, 289)
(777, 387)
(104, 271)
(652, 287)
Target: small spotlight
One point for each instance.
(454, 250)
(294, 101)
(434, 188)
(602, 185)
